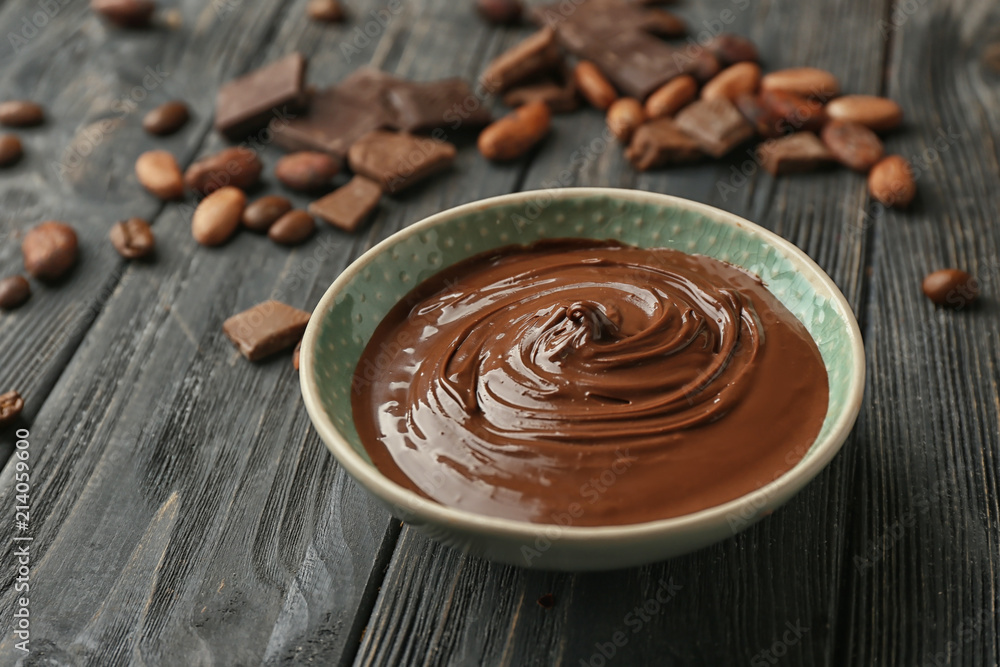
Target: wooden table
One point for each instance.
(184, 511)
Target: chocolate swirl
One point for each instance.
(523, 373)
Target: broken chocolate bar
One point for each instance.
(247, 104)
(532, 57)
(717, 125)
(421, 107)
(348, 206)
(396, 161)
(659, 143)
(265, 329)
(799, 152)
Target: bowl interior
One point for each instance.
(371, 286)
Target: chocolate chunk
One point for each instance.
(348, 206)
(11, 405)
(266, 328)
(660, 142)
(612, 35)
(717, 125)
(247, 104)
(561, 96)
(341, 115)
(396, 161)
(532, 57)
(799, 152)
(661, 23)
(421, 107)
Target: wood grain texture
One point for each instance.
(96, 82)
(185, 512)
(924, 542)
(736, 600)
(183, 509)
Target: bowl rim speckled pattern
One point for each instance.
(699, 528)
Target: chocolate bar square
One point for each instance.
(247, 104)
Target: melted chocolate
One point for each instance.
(588, 383)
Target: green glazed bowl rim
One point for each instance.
(421, 510)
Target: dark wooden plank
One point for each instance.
(96, 82)
(183, 509)
(739, 598)
(925, 544)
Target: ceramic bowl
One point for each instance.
(358, 300)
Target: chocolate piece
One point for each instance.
(799, 152)
(638, 360)
(717, 125)
(421, 107)
(348, 206)
(396, 161)
(532, 57)
(11, 405)
(341, 115)
(661, 23)
(659, 143)
(247, 104)
(14, 291)
(611, 34)
(559, 96)
(266, 328)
